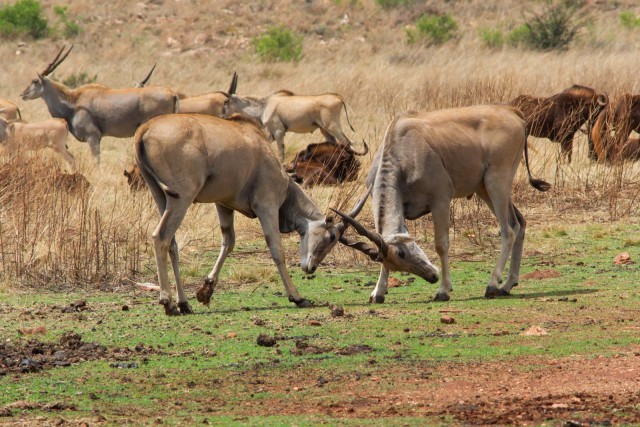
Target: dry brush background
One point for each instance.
(58, 238)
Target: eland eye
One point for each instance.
(401, 254)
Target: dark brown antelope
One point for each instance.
(559, 116)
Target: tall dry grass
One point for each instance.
(52, 237)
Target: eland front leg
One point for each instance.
(377, 296)
(271, 230)
(441, 223)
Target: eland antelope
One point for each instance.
(9, 111)
(51, 133)
(283, 111)
(211, 103)
(425, 161)
(559, 116)
(194, 158)
(93, 111)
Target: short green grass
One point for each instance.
(203, 362)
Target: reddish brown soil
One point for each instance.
(528, 391)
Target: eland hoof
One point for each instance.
(203, 295)
(185, 308)
(504, 292)
(376, 299)
(170, 308)
(491, 292)
(302, 303)
(441, 297)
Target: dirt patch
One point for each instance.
(525, 391)
(34, 356)
(541, 274)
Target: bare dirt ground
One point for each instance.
(525, 391)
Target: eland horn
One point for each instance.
(373, 236)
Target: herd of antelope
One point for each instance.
(214, 148)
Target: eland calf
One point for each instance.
(428, 159)
(283, 111)
(51, 133)
(9, 111)
(193, 158)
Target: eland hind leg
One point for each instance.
(164, 243)
(225, 217)
(183, 303)
(516, 252)
(496, 195)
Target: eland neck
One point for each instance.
(60, 100)
(255, 108)
(297, 211)
(388, 210)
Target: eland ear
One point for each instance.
(328, 220)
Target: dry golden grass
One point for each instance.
(103, 237)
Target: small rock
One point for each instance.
(125, 308)
(535, 331)
(32, 331)
(337, 311)
(448, 320)
(232, 335)
(622, 259)
(265, 340)
(314, 323)
(28, 365)
(500, 333)
(124, 365)
(393, 283)
(60, 355)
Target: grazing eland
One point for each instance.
(283, 111)
(194, 158)
(428, 159)
(93, 111)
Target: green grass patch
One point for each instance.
(209, 366)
